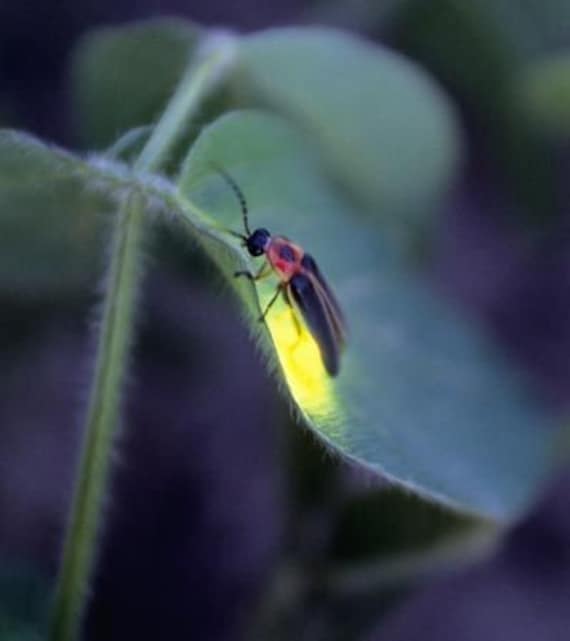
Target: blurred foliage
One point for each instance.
(544, 95)
(382, 126)
(479, 49)
(352, 155)
(23, 602)
(389, 523)
(52, 230)
(144, 65)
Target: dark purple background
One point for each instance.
(208, 499)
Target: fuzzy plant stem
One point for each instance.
(115, 337)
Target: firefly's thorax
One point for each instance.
(285, 257)
(258, 242)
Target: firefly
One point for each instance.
(301, 284)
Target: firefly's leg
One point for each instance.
(297, 327)
(264, 271)
(271, 302)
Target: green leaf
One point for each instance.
(123, 77)
(422, 397)
(382, 124)
(543, 92)
(50, 229)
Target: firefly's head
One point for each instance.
(257, 243)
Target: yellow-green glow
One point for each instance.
(307, 378)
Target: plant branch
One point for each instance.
(102, 418)
(115, 337)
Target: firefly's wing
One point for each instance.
(330, 301)
(306, 297)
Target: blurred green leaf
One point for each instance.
(358, 15)
(389, 523)
(422, 397)
(382, 125)
(502, 30)
(24, 160)
(543, 91)
(381, 537)
(23, 602)
(462, 43)
(478, 49)
(388, 539)
(50, 228)
(124, 76)
(130, 144)
(532, 27)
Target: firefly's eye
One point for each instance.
(257, 242)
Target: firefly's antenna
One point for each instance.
(238, 192)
